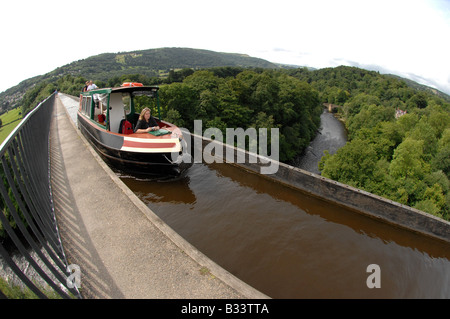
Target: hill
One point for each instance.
(151, 63)
(158, 63)
(155, 62)
(422, 87)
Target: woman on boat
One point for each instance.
(146, 122)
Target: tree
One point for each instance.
(173, 116)
(438, 119)
(354, 106)
(352, 164)
(406, 123)
(442, 161)
(203, 80)
(408, 160)
(433, 200)
(369, 117)
(184, 99)
(425, 132)
(418, 100)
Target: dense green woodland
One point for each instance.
(224, 97)
(405, 159)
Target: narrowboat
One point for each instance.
(107, 118)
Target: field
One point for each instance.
(9, 121)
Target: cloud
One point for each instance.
(400, 37)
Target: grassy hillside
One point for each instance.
(422, 88)
(154, 62)
(9, 120)
(150, 63)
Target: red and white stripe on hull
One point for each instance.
(141, 145)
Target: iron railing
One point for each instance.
(27, 211)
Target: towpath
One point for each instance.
(122, 248)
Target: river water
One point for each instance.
(331, 136)
(288, 244)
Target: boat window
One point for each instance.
(86, 106)
(144, 93)
(142, 99)
(126, 99)
(103, 98)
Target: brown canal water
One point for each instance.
(288, 244)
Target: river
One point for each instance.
(331, 136)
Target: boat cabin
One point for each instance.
(110, 106)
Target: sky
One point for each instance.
(408, 38)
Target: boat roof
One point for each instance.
(123, 89)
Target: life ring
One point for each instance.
(130, 84)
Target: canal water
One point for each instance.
(289, 244)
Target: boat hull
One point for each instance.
(116, 151)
